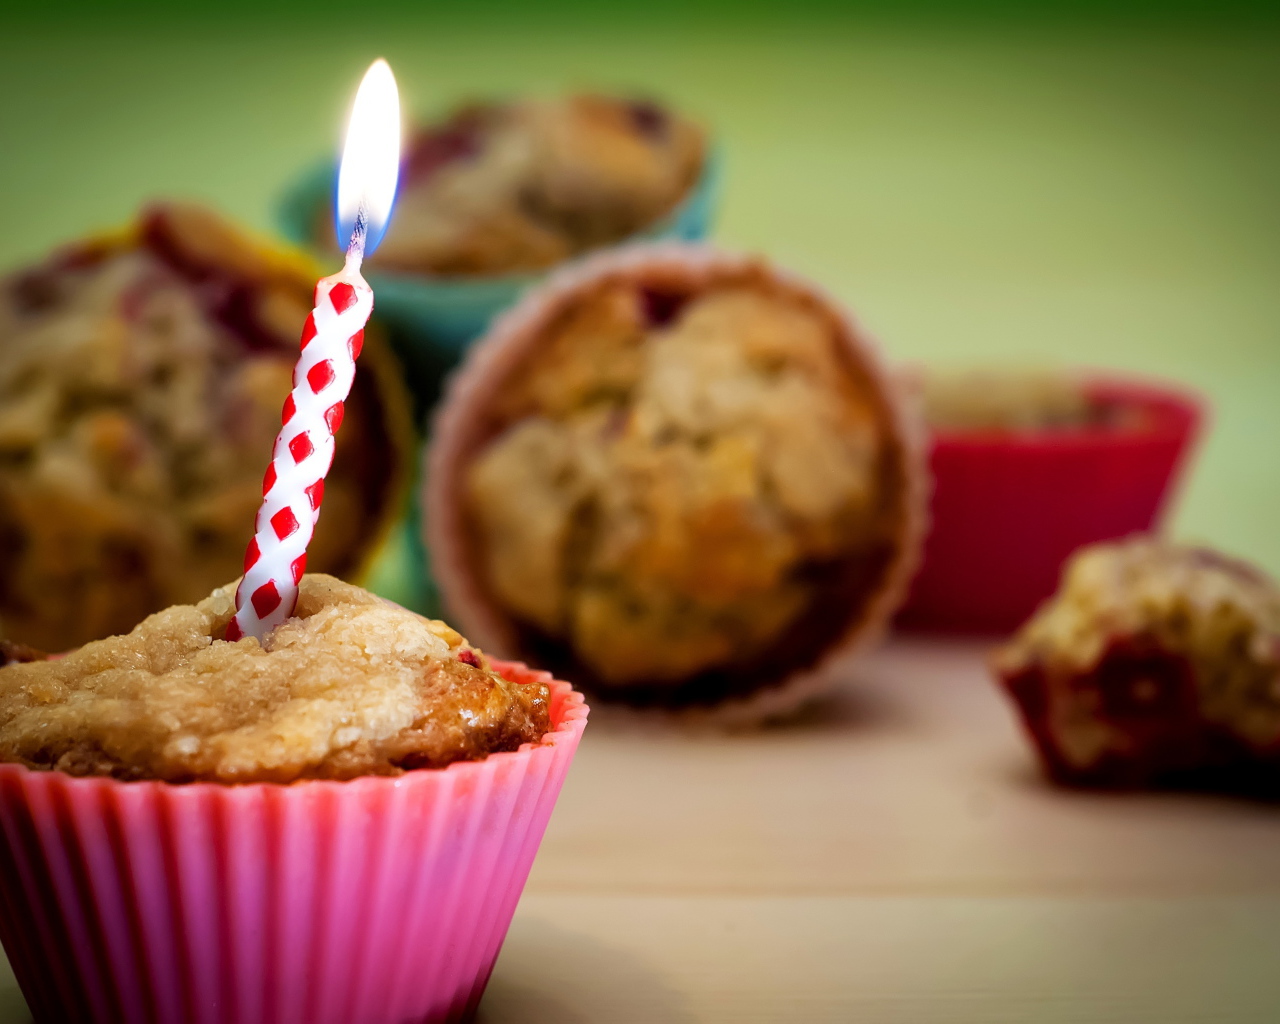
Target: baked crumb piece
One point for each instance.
(1153, 662)
(685, 490)
(353, 685)
(502, 188)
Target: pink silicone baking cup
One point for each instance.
(382, 900)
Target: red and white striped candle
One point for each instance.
(293, 487)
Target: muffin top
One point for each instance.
(500, 188)
(685, 495)
(352, 685)
(141, 381)
(1006, 400)
(1190, 599)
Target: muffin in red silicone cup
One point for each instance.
(680, 476)
(331, 826)
(1028, 467)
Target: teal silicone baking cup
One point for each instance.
(443, 315)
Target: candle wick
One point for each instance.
(359, 232)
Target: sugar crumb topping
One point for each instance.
(352, 685)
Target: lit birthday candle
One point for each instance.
(293, 487)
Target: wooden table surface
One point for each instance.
(891, 856)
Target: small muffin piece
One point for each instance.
(141, 382)
(504, 188)
(352, 685)
(690, 488)
(1153, 663)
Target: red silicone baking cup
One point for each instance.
(382, 900)
(1008, 509)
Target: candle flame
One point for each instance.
(370, 161)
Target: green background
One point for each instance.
(1091, 185)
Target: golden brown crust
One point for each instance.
(141, 379)
(352, 686)
(845, 590)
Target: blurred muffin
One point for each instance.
(502, 188)
(678, 477)
(1153, 662)
(1020, 401)
(1005, 400)
(16, 654)
(141, 379)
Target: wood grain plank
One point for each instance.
(897, 960)
(912, 778)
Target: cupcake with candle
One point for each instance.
(316, 807)
(141, 378)
(332, 825)
(679, 476)
(496, 193)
